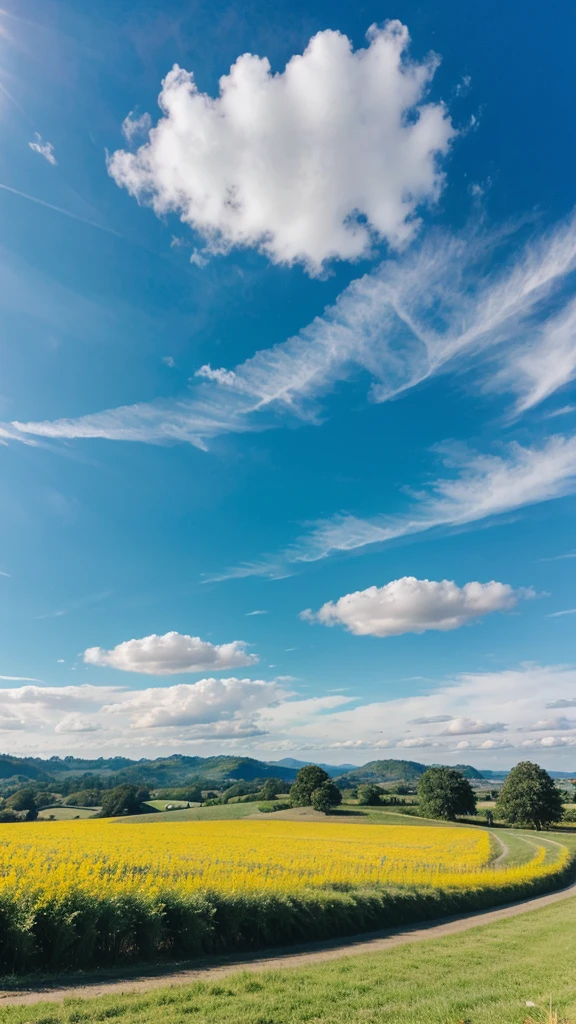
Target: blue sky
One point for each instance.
(287, 393)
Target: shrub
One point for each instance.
(369, 796)
(84, 798)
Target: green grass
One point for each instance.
(484, 976)
(67, 813)
(161, 805)
(217, 813)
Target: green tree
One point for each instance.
(271, 788)
(369, 796)
(529, 797)
(325, 797)
(121, 800)
(445, 793)
(309, 778)
(24, 800)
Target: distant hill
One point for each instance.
(162, 771)
(212, 772)
(332, 769)
(384, 771)
(11, 766)
(468, 771)
(397, 771)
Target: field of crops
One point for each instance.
(86, 893)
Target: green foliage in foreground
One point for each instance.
(484, 976)
(445, 793)
(529, 797)
(76, 930)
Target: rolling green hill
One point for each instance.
(163, 771)
(396, 771)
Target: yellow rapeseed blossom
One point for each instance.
(108, 857)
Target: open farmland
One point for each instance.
(91, 893)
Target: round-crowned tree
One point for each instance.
(529, 797)
(326, 797)
(445, 793)
(309, 778)
(121, 800)
(271, 788)
(369, 795)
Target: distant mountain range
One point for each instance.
(333, 770)
(213, 771)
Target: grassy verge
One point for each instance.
(67, 813)
(217, 813)
(483, 976)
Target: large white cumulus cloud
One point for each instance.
(409, 605)
(209, 702)
(171, 653)
(288, 162)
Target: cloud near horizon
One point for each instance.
(264, 719)
(170, 654)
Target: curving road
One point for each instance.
(294, 956)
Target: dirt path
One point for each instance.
(294, 956)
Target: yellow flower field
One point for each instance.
(83, 894)
(100, 857)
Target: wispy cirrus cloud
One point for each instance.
(479, 299)
(44, 148)
(481, 486)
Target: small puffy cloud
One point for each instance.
(169, 361)
(410, 605)
(307, 165)
(218, 375)
(415, 741)
(467, 726)
(205, 703)
(549, 724)
(171, 653)
(562, 702)
(46, 149)
(549, 741)
(76, 723)
(484, 745)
